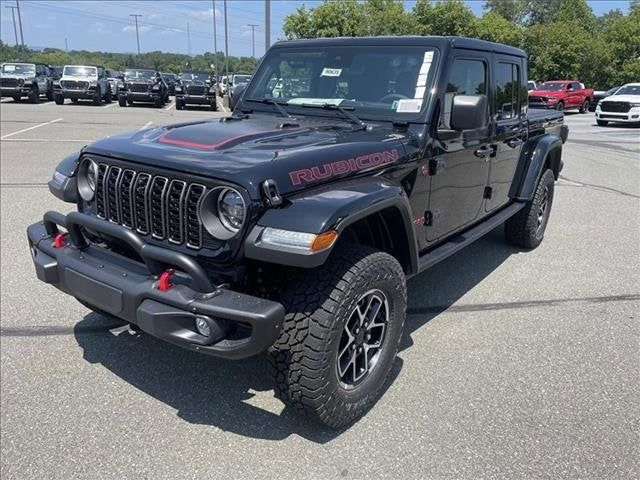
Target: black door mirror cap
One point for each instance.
(468, 112)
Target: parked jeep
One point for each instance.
(142, 85)
(82, 82)
(29, 80)
(114, 78)
(195, 88)
(171, 79)
(292, 226)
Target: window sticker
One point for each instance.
(331, 72)
(421, 82)
(9, 68)
(419, 92)
(409, 105)
(315, 101)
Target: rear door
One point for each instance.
(461, 165)
(509, 97)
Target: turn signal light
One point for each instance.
(324, 241)
(164, 282)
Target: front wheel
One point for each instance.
(59, 99)
(122, 101)
(34, 95)
(108, 97)
(602, 123)
(340, 335)
(585, 107)
(97, 98)
(526, 228)
(50, 94)
(560, 106)
(179, 104)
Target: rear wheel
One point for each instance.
(129, 102)
(157, 103)
(74, 101)
(340, 335)
(122, 101)
(108, 98)
(526, 228)
(50, 94)
(585, 106)
(560, 106)
(16, 98)
(97, 98)
(602, 123)
(179, 104)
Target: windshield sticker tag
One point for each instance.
(409, 105)
(9, 68)
(331, 72)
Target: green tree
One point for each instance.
(541, 12)
(330, 19)
(512, 10)
(495, 28)
(388, 17)
(622, 35)
(451, 17)
(576, 11)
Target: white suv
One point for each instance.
(623, 106)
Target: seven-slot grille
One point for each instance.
(9, 82)
(196, 89)
(537, 100)
(166, 209)
(139, 87)
(74, 84)
(609, 106)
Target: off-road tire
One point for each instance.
(50, 94)
(75, 101)
(560, 106)
(107, 96)
(585, 107)
(59, 99)
(122, 101)
(157, 103)
(17, 98)
(524, 229)
(34, 94)
(602, 123)
(130, 103)
(179, 104)
(97, 98)
(319, 302)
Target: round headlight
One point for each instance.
(231, 209)
(87, 179)
(223, 212)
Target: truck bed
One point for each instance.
(544, 121)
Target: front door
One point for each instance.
(509, 116)
(461, 162)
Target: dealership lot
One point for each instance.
(514, 364)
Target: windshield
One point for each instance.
(169, 76)
(238, 79)
(141, 74)
(19, 68)
(375, 81)
(629, 90)
(56, 71)
(80, 71)
(551, 86)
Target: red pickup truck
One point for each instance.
(561, 95)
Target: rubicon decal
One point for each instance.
(342, 167)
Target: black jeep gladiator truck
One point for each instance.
(291, 226)
(196, 88)
(142, 85)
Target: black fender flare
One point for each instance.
(535, 154)
(332, 207)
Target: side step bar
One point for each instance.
(460, 241)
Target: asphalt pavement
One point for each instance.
(514, 364)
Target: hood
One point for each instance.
(86, 78)
(17, 75)
(248, 152)
(622, 98)
(546, 93)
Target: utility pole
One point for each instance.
(135, 15)
(226, 45)
(267, 24)
(215, 41)
(66, 45)
(13, 14)
(188, 40)
(20, 23)
(253, 38)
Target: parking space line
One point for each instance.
(30, 128)
(170, 106)
(110, 105)
(146, 125)
(46, 140)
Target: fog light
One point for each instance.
(202, 326)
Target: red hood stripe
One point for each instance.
(215, 146)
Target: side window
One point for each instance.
(576, 86)
(39, 70)
(467, 77)
(506, 104)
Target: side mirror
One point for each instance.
(468, 112)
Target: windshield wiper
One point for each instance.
(343, 110)
(270, 101)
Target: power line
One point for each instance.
(253, 38)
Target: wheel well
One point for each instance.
(553, 161)
(385, 231)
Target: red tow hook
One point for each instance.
(59, 240)
(164, 282)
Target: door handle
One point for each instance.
(484, 151)
(514, 142)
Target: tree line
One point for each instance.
(563, 38)
(162, 61)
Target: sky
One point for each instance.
(107, 26)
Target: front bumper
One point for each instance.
(141, 96)
(241, 325)
(632, 116)
(79, 94)
(198, 99)
(14, 91)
